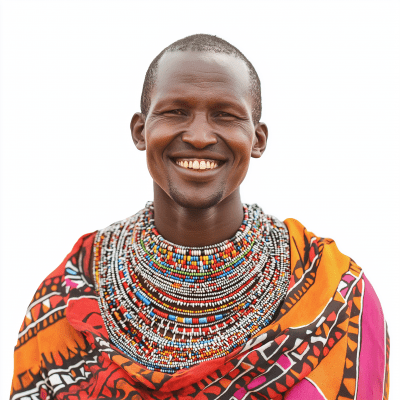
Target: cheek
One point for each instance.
(242, 146)
(156, 142)
(154, 164)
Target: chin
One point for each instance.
(195, 201)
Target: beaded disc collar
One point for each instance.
(170, 307)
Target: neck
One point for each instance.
(197, 227)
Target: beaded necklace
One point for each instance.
(170, 307)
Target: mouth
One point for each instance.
(198, 164)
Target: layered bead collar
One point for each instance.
(170, 307)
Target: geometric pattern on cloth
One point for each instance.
(316, 347)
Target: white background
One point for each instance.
(71, 74)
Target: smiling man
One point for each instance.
(199, 132)
(198, 295)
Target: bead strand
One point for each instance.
(170, 307)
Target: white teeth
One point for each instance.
(198, 164)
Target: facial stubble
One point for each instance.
(183, 201)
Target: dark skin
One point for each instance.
(201, 108)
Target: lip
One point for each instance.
(197, 172)
(202, 156)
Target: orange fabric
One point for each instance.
(318, 346)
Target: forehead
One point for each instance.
(200, 75)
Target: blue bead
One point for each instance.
(146, 301)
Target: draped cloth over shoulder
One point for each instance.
(320, 346)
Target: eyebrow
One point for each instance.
(187, 103)
(226, 104)
(174, 102)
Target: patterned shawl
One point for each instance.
(329, 340)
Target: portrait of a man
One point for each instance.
(199, 294)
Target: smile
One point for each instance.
(198, 164)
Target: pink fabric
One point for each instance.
(70, 283)
(284, 362)
(257, 382)
(372, 355)
(239, 394)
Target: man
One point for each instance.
(198, 295)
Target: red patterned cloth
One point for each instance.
(320, 346)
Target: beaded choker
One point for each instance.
(170, 307)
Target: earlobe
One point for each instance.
(260, 140)
(137, 131)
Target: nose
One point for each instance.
(199, 133)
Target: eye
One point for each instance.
(224, 114)
(175, 112)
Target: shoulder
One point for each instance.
(305, 244)
(45, 334)
(51, 297)
(320, 260)
(334, 278)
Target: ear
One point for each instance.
(260, 140)
(137, 131)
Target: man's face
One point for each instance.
(199, 133)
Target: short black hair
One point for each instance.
(206, 43)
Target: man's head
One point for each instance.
(198, 105)
(203, 43)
